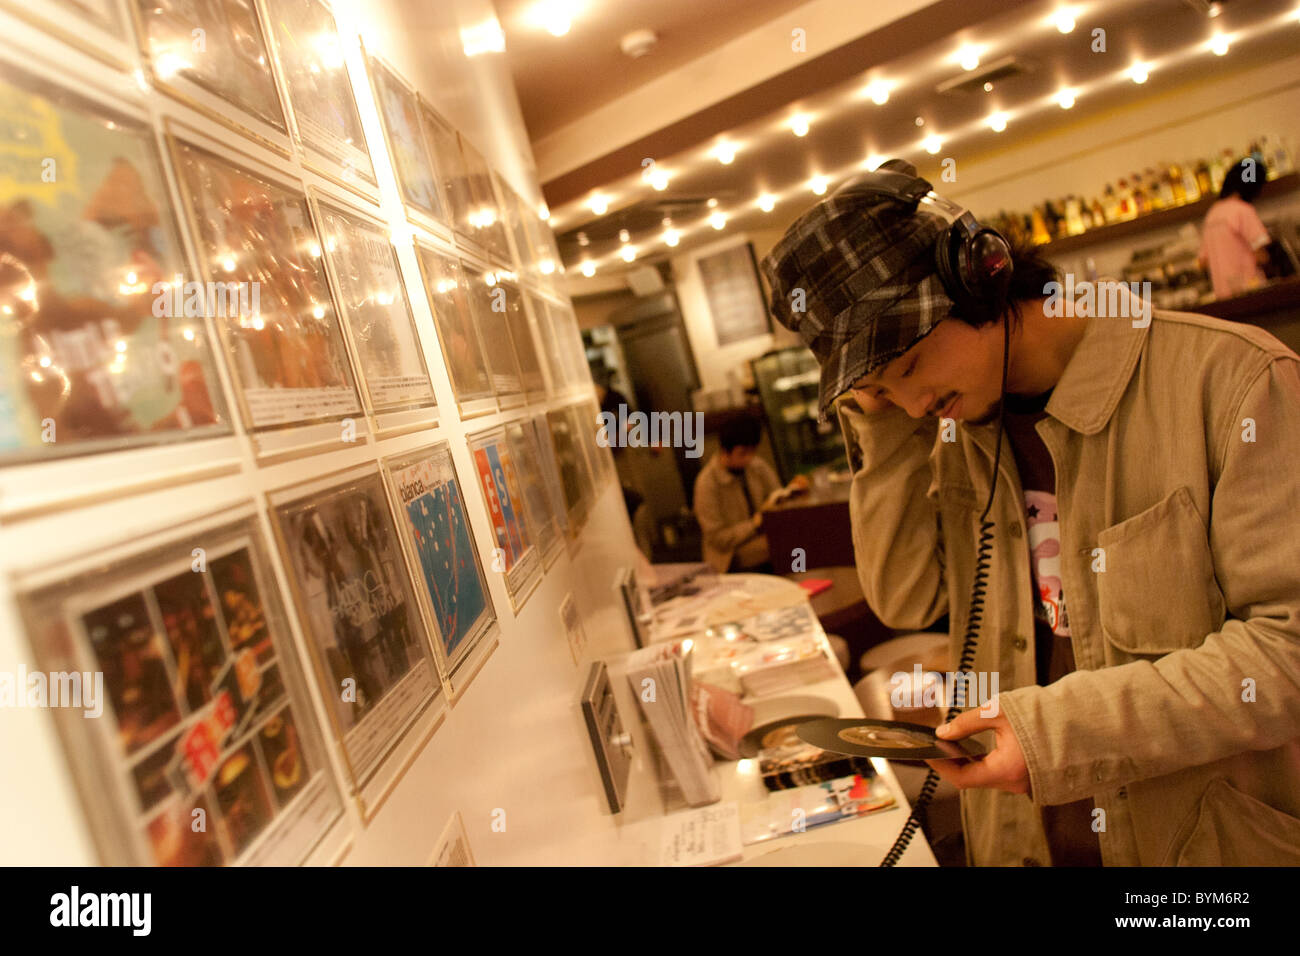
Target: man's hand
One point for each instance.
(798, 483)
(772, 499)
(1003, 769)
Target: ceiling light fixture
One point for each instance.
(874, 162)
(672, 237)
(968, 56)
(1219, 44)
(544, 213)
(628, 253)
(767, 202)
(599, 204)
(588, 268)
(712, 204)
(818, 185)
(718, 221)
(658, 179)
(554, 16)
(998, 122)
(485, 37)
(1139, 72)
(1064, 20)
(878, 90)
(799, 124)
(624, 236)
(988, 87)
(932, 144)
(725, 153)
(1065, 98)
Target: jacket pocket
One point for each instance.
(1158, 592)
(1234, 829)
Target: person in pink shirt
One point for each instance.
(1233, 239)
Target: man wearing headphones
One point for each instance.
(1133, 575)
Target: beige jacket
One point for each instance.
(724, 517)
(1177, 454)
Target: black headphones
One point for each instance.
(973, 262)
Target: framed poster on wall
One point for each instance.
(523, 450)
(205, 750)
(489, 303)
(376, 312)
(447, 287)
(449, 576)
(358, 614)
(88, 240)
(514, 554)
(258, 248)
(213, 56)
(399, 111)
(521, 339)
(734, 293)
(324, 110)
(96, 27)
(575, 480)
(449, 168)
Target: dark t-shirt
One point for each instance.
(1069, 826)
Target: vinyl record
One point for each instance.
(862, 737)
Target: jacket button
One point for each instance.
(1021, 643)
(1030, 861)
(1015, 530)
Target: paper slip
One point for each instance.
(705, 837)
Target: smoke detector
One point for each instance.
(638, 43)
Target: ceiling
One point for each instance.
(561, 79)
(847, 128)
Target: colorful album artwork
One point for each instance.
(267, 292)
(311, 57)
(430, 501)
(523, 451)
(357, 608)
(376, 310)
(217, 45)
(489, 304)
(213, 758)
(400, 110)
(91, 357)
(447, 288)
(491, 461)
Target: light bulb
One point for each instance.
(878, 90)
(628, 253)
(599, 205)
(1219, 45)
(1139, 72)
(998, 122)
(718, 221)
(1065, 98)
(818, 185)
(932, 144)
(588, 268)
(799, 125)
(1064, 20)
(767, 202)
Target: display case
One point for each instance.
(787, 382)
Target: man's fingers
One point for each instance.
(962, 775)
(963, 725)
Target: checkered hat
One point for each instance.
(865, 266)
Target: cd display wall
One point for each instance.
(254, 286)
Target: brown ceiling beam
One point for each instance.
(898, 39)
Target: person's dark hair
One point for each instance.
(1235, 182)
(1031, 271)
(743, 430)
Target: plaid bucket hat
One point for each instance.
(865, 268)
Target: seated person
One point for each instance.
(730, 494)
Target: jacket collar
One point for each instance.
(1094, 379)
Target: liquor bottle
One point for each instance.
(1191, 188)
(1073, 216)
(1038, 228)
(1127, 208)
(1174, 176)
(1141, 201)
(1085, 213)
(1100, 214)
(1218, 170)
(1110, 204)
(1203, 181)
(1161, 196)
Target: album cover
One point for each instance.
(203, 753)
(449, 167)
(432, 519)
(546, 348)
(574, 480)
(374, 306)
(320, 93)
(523, 451)
(357, 609)
(585, 426)
(549, 469)
(602, 458)
(400, 112)
(489, 304)
(257, 244)
(515, 209)
(505, 509)
(88, 241)
(217, 45)
(60, 15)
(488, 230)
(448, 289)
(521, 337)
